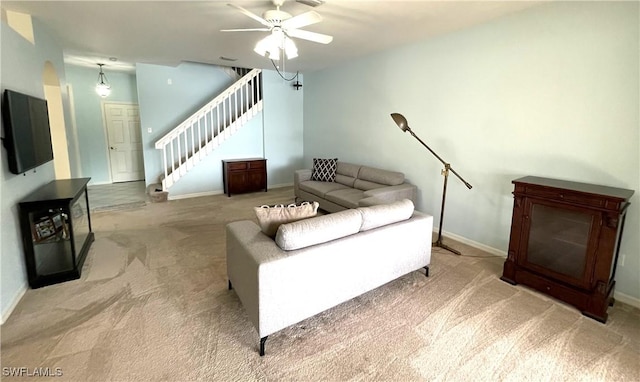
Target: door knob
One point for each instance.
(112, 148)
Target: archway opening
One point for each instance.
(53, 95)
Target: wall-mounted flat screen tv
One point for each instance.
(27, 136)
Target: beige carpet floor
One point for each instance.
(153, 304)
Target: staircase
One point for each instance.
(192, 140)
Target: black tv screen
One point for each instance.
(27, 136)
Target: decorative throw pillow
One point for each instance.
(324, 170)
(271, 217)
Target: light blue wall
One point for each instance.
(21, 70)
(551, 91)
(275, 134)
(164, 106)
(283, 127)
(88, 105)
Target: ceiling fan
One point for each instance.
(282, 26)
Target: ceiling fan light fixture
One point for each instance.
(268, 46)
(283, 26)
(290, 48)
(273, 44)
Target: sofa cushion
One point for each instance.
(348, 197)
(346, 180)
(320, 188)
(383, 214)
(391, 178)
(366, 185)
(320, 229)
(348, 169)
(324, 170)
(271, 217)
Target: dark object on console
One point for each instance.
(565, 240)
(401, 121)
(27, 136)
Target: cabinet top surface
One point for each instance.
(241, 160)
(57, 190)
(588, 188)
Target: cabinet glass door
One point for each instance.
(80, 219)
(559, 240)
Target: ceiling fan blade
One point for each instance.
(246, 30)
(302, 20)
(311, 36)
(252, 15)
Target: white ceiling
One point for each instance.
(169, 32)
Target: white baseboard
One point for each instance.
(281, 185)
(218, 192)
(5, 315)
(195, 195)
(624, 298)
(475, 244)
(99, 183)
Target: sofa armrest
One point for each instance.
(247, 250)
(384, 195)
(300, 176)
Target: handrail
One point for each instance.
(214, 102)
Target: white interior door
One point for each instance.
(125, 141)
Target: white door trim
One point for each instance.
(103, 104)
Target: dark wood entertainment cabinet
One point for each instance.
(565, 241)
(244, 175)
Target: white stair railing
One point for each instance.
(192, 140)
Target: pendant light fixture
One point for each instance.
(102, 88)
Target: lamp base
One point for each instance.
(439, 243)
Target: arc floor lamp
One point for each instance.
(401, 121)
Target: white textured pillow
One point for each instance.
(271, 217)
(318, 230)
(383, 214)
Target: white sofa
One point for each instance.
(354, 186)
(317, 263)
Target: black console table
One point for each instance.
(56, 231)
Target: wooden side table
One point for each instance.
(240, 176)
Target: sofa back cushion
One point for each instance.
(366, 185)
(346, 173)
(383, 214)
(383, 177)
(348, 169)
(320, 229)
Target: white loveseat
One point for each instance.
(317, 263)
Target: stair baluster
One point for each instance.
(233, 108)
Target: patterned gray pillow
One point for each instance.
(324, 170)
